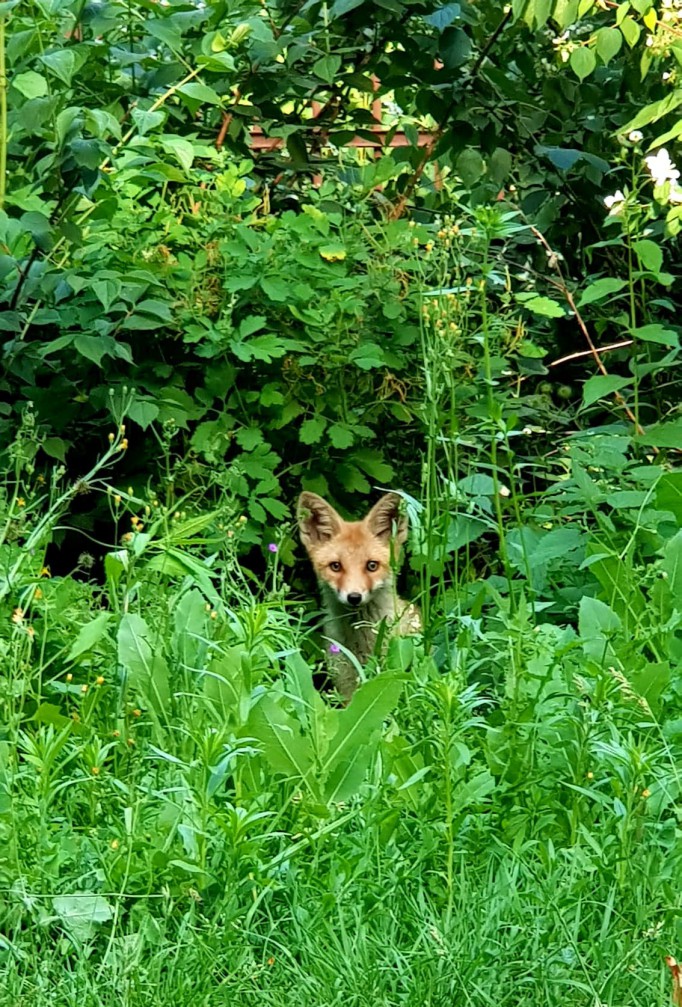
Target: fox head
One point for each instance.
(352, 558)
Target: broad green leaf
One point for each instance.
(669, 494)
(667, 434)
(631, 32)
(143, 412)
(62, 63)
(200, 92)
(81, 912)
(609, 42)
(672, 568)
(342, 7)
(327, 67)
(146, 668)
(601, 386)
(347, 759)
(30, 84)
(598, 624)
(181, 149)
(444, 16)
(287, 750)
(89, 636)
(146, 120)
(600, 289)
(649, 253)
(276, 288)
(583, 61)
(541, 305)
(454, 48)
(654, 111)
(656, 333)
(470, 166)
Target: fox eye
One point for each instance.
(335, 566)
(372, 565)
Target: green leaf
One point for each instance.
(631, 32)
(30, 84)
(662, 435)
(180, 148)
(55, 447)
(107, 291)
(597, 625)
(143, 412)
(609, 42)
(311, 430)
(146, 120)
(656, 333)
(91, 347)
(601, 386)
(454, 47)
(82, 912)
(276, 288)
(284, 747)
(346, 761)
(197, 91)
(341, 436)
(327, 67)
(669, 494)
(654, 111)
(249, 437)
(600, 289)
(583, 61)
(62, 64)
(89, 636)
(367, 356)
(342, 7)
(649, 253)
(672, 568)
(470, 166)
(138, 652)
(541, 305)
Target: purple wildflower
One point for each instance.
(334, 648)
(272, 547)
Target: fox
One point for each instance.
(354, 563)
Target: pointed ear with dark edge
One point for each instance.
(386, 521)
(317, 520)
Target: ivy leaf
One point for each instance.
(146, 120)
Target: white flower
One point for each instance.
(614, 204)
(675, 195)
(661, 167)
(635, 136)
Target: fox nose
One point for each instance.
(354, 599)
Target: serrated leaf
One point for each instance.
(341, 436)
(311, 430)
(333, 252)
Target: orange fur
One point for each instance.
(354, 562)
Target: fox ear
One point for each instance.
(385, 519)
(317, 520)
